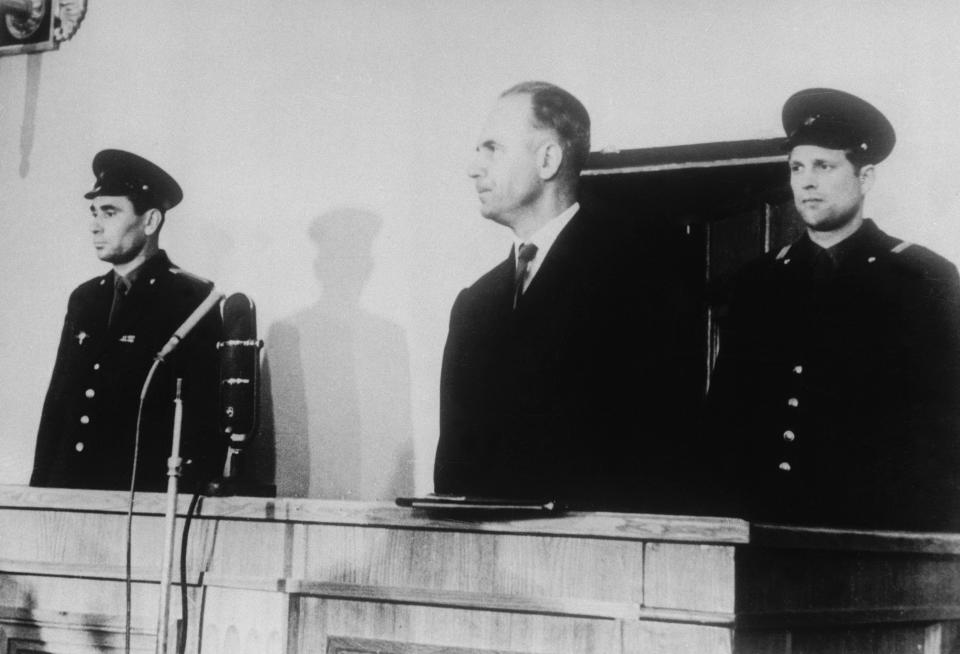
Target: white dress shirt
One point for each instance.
(543, 238)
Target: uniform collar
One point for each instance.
(154, 264)
(866, 237)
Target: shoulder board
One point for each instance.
(188, 275)
(783, 251)
(923, 262)
(90, 289)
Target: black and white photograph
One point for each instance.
(480, 327)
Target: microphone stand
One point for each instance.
(173, 475)
(173, 466)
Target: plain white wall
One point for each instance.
(322, 147)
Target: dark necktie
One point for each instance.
(119, 292)
(527, 252)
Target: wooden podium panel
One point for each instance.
(288, 576)
(806, 590)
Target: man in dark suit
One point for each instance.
(558, 380)
(115, 325)
(838, 379)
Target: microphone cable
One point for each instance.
(184, 609)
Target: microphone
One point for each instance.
(208, 303)
(239, 378)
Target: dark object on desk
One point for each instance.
(480, 505)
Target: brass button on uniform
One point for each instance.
(784, 466)
(79, 446)
(789, 436)
(96, 366)
(794, 402)
(90, 392)
(798, 370)
(84, 420)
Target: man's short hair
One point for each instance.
(857, 158)
(556, 109)
(143, 203)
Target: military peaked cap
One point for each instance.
(124, 173)
(837, 120)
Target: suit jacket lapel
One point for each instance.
(505, 273)
(563, 264)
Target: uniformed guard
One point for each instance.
(114, 327)
(838, 379)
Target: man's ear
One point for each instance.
(549, 159)
(153, 221)
(867, 175)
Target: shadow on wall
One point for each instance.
(337, 379)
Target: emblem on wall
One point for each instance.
(37, 25)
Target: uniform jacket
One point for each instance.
(837, 386)
(573, 395)
(86, 435)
